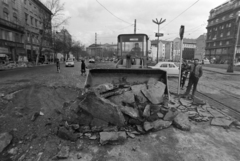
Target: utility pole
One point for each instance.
(95, 44)
(158, 22)
(233, 59)
(181, 33)
(65, 46)
(135, 26)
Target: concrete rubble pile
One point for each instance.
(112, 113)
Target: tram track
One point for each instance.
(224, 108)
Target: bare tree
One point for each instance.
(56, 20)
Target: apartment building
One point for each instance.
(11, 30)
(38, 31)
(222, 31)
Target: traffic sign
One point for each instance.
(159, 34)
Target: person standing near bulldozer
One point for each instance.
(195, 74)
(83, 68)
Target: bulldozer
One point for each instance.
(132, 52)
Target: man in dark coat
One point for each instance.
(83, 68)
(184, 73)
(195, 74)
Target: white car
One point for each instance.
(69, 63)
(237, 64)
(91, 61)
(169, 67)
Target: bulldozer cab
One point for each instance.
(132, 51)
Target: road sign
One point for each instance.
(159, 34)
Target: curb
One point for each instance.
(25, 67)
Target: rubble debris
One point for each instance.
(102, 109)
(110, 129)
(13, 151)
(138, 93)
(104, 87)
(161, 124)
(198, 101)
(170, 115)
(109, 137)
(151, 82)
(185, 102)
(160, 115)
(35, 116)
(153, 117)
(146, 112)
(155, 93)
(192, 113)
(65, 134)
(99, 123)
(221, 122)
(133, 113)
(181, 121)
(63, 153)
(140, 129)
(131, 135)
(147, 126)
(5, 140)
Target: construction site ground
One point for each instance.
(42, 89)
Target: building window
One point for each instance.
(15, 19)
(216, 20)
(31, 20)
(26, 18)
(228, 33)
(231, 15)
(36, 22)
(17, 38)
(222, 26)
(221, 35)
(5, 1)
(210, 30)
(5, 14)
(227, 42)
(7, 35)
(229, 25)
(223, 18)
(14, 3)
(220, 43)
(214, 44)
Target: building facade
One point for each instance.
(38, 31)
(189, 49)
(102, 50)
(200, 47)
(222, 32)
(164, 52)
(11, 30)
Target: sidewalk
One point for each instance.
(12, 67)
(220, 71)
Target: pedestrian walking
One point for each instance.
(58, 65)
(195, 74)
(184, 73)
(83, 68)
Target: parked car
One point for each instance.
(91, 61)
(69, 63)
(237, 64)
(205, 61)
(170, 67)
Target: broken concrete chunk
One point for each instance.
(5, 140)
(146, 112)
(192, 113)
(155, 108)
(161, 124)
(151, 82)
(155, 93)
(104, 87)
(128, 97)
(181, 121)
(221, 122)
(182, 108)
(170, 115)
(63, 153)
(198, 101)
(110, 129)
(109, 137)
(134, 122)
(63, 133)
(203, 113)
(131, 135)
(102, 109)
(153, 117)
(99, 123)
(147, 126)
(13, 151)
(133, 113)
(136, 89)
(185, 102)
(160, 115)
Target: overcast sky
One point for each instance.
(89, 17)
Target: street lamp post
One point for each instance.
(158, 35)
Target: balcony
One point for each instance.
(11, 25)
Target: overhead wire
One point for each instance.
(181, 13)
(113, 14)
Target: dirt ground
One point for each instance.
(37, 140)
